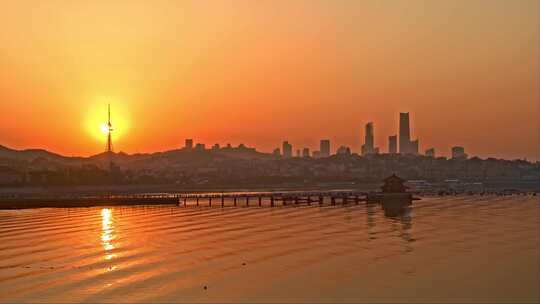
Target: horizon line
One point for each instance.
(255, 150)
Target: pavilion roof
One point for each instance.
(394, 177)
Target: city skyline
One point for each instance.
(397, 144)
(406, 145)
(260, 73)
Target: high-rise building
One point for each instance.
(430, 152)
(305, 152)
(406, 146)
(369, 142)
(200, 147)
(392, 144)
(458, 152)
(404, 133)
(298, 153)
(287, 149)
(189, 144)
(276, 152)
(413, 147)
(325, 148)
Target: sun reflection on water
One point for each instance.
(107, 232)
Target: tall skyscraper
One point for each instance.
(287, 149)
(305, 152)
(404, 133)
(325, 148)
(189, 144)
(369, 141)
(406, 146)
(392, 144)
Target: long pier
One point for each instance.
(271, 199)
(234, 199)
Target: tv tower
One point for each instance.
(109, 133)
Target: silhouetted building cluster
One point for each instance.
(195, 165)
(405, 144)
(243, 166)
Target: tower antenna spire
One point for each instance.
(109, 133)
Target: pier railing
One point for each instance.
(272, 198)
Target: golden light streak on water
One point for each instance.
(107, 234)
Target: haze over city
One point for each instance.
(263, 72)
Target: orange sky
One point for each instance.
(260, 72)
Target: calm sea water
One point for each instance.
(458, 249)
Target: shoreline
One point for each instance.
(169, 194)
(344, 196)
(54, 191)
(170, 189)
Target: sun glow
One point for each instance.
(96, 121)
(104, 128)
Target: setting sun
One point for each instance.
(96, 121)
(104, 128)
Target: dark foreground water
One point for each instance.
(459, 249)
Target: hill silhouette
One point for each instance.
(32, 154)
(138, 160)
